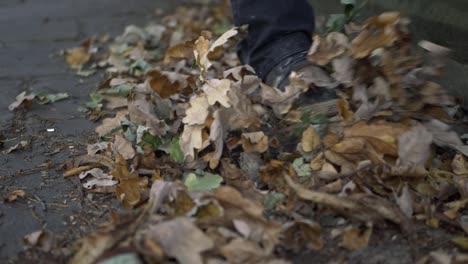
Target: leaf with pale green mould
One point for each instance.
(272, 199)
(202, 181)
(122, 90)
(152, 141)
(302, 168)
(128, 258)
(175, 151)
(96, 101)
(336, 22)
(45, 98)
(140, 65)
(348, 2)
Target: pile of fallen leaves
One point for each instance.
(222, 168)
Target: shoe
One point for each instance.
(320, 98)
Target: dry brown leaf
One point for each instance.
(21, 99)
(191, 140)
(110, 124)
(302, 233)
(41, 239)
(181, 239)
(240, 251)
(217, 138)
(280, 102)
(310, 139)
(198, 111)
(444, 136)
(242, 114)
(217, 91)
(383, 136)
(380, 31)
(344, 110)
(100, 179)
(255, 142)
(343, 67)
(324, 50)
(123, 147)
(120, 171)
(14, 195)
(77, 57)
(203, 49)
(130, 191)
(355, 238)
(460, 165)
(166, 84)
(414, 147)
(142, 111)
(180, 51)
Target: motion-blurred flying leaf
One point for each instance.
(175, 151)
(202, 181)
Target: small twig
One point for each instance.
(44, 208)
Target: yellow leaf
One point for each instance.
(310, 139)
(77, 57)
(129, 191)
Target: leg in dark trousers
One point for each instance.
(280, 32)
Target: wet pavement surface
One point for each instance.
(32, 33)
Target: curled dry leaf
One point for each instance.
(100, 179)
(21, 99)
(14, 195)
(40, 239)
(310, 139)
(324, 50)
(203, 53)
(96, 148)
(217, 135)
(191, 140)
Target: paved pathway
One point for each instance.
(31, 35)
